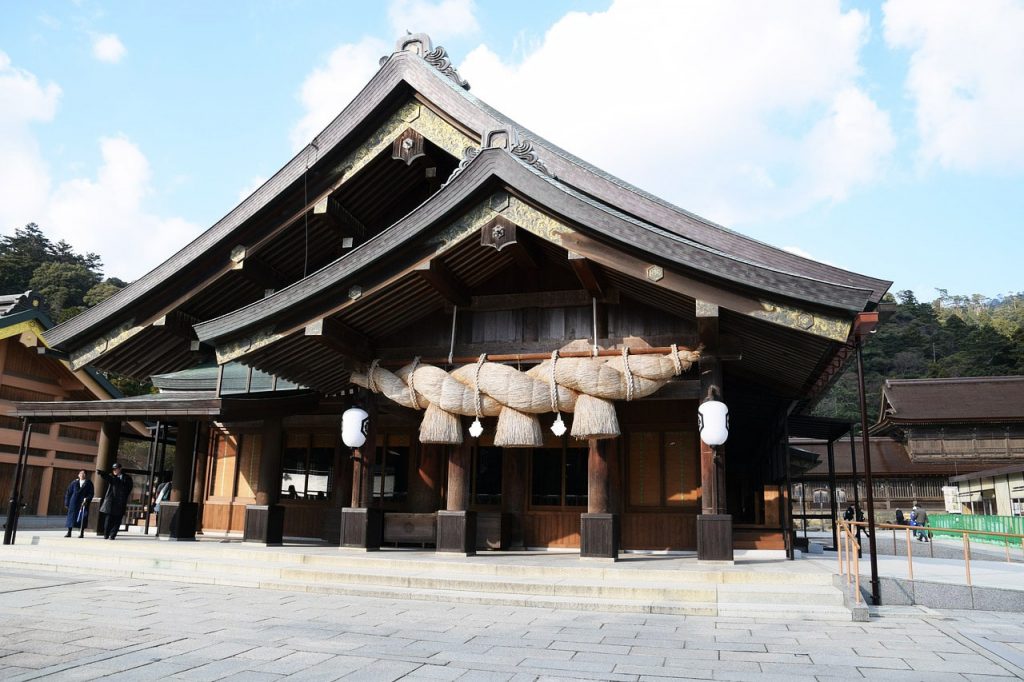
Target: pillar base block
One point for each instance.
(264, 523)
(599, 536)
(362, 528)
(456, 532)
(714, 537)
(177, 520)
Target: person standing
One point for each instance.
(922, 520)
(119, 489)
(76, 500)
(900, 519)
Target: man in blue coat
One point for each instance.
(76, 499)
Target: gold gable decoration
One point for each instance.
(586, 386)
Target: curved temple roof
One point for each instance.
(606, 206)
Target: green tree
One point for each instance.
(64, 286)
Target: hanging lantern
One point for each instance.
(476, 428)
(558, 428)
(713, 422)
(355, 424)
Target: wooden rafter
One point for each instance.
(443, 281)
(340, 337)
(340, 218)
(588, 273)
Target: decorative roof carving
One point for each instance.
(515, 144)
(420, 44)
(468, 154)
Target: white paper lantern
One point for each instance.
(354, 424)
(713, 422)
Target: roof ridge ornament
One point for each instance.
(468, 154)
(420, 44)
(519, 146)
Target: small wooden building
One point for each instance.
(424, 256)
(58, 450)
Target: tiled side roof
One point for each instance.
(950, 400)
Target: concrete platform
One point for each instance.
(757, 583)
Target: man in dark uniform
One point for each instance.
(119, 490)
(76, 500)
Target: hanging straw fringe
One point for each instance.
(585, 386)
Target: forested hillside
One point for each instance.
(952, 336)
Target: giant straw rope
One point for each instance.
(585, 386)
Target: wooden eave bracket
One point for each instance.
(435, 273)
(339, 218)
(340, 337)
(588, 274)
(178, 323)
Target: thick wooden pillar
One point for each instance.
(264, 521)
(362, 525)
(177, 517)
(513, 497)
(599, 527)
(456, 525)
(106, 455)
(425, 484)
(714, 525)
(198, 483)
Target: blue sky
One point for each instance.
(883, 137)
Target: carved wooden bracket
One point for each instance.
(498, 232)
(408, 147)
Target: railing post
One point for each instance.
(910, 555)
(967, 557)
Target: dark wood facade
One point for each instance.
(441, 230)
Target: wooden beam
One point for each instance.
(178, 323)
(443, 281)
(526, 255)
(257, 270)
(537, 299)
(341, 337)
(835, 327)
(588, 274)
(339, 218)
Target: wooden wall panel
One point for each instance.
(305, 519)
(551, 529)
(216, 516)
(659, 531)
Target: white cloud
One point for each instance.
(106, 214)
(254, 184)
(739, 111)
(442, 19)
(327, 90)
(107, 47)
(965, 77)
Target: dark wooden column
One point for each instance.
(714, 525)
(456, 525)
(264, 521)
(177, 517)
(513, 497)
(425, 484)
(362, 525)
(599, 527)
(106, 455)
(198, 483)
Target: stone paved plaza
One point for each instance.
(66, 627)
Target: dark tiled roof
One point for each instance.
(888, 458)
(405, 69)
(953, 400)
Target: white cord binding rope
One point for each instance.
(412, 387)
(451, 346)
(629, 373)
(370, 380)
(676, 362)
(558, 427)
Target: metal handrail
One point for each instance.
(849, 528)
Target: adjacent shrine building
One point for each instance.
(444, 268)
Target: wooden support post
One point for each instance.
(513, 497)
(177, 516)
(456, 525)
(599, 527)
(714, 524)
(264, 521)
(425, 484)
(362, 524)
(106, 455)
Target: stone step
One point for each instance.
(479, 565)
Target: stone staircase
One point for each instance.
(486, 579)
